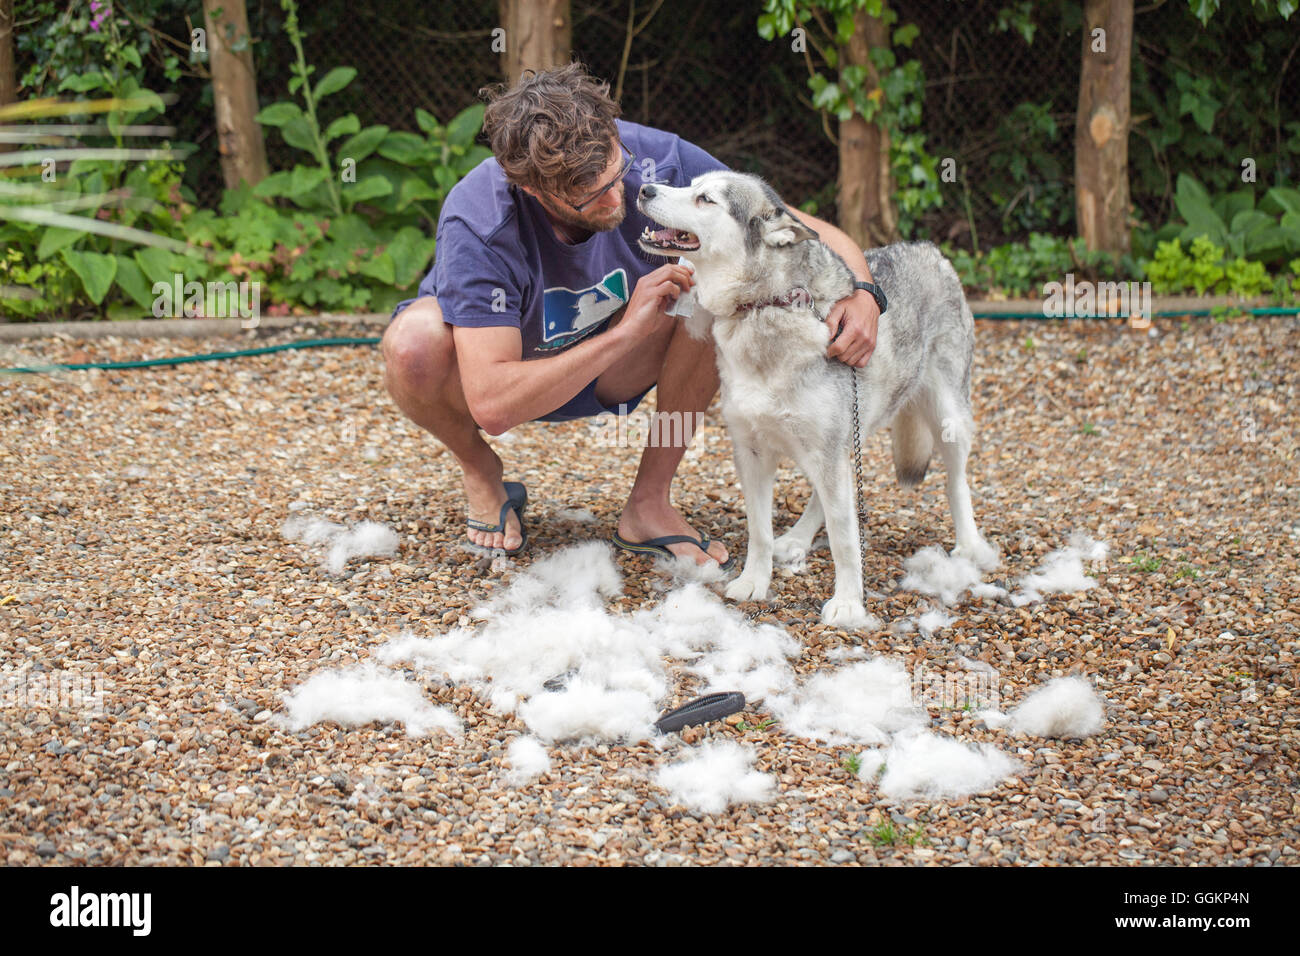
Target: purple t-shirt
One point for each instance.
(499, 263)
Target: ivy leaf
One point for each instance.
(906, 34)
(843, 28)
(828, 97)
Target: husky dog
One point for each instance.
(764, 283)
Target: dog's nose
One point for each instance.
(647, 191)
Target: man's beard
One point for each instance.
(591, 219)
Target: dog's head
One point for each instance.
(720, 218)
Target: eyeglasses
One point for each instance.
(610, 185)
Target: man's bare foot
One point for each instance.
(486, 493)
(642, 520)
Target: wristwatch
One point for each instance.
(877, 293)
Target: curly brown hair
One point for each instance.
(554, 130)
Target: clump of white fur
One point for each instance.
(528, 761)
(355, 696)
(1063, 707)
(864, 702)
(363, 540)
(714, 776)
(612, 670)
(1062, 571)
(924, 765)
(932, 571)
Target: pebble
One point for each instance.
(180, 508)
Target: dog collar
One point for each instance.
(798, 297)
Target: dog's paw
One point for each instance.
(981, 554)
(846, 613)
(747, 588)
(789, 551)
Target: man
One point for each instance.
(541, 307)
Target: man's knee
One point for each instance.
(418, 344)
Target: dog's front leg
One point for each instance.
(833, 483)
(797, 542)
(757, 472)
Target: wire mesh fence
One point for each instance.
(1000, 107)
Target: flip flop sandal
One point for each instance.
(516, 501)
(656, 546)
(701, 711)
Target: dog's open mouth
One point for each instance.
(669, 239)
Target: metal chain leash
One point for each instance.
(857, 473)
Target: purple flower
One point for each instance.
(101, 13)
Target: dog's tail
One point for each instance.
(913, 445)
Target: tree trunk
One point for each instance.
(8, 69)
(1102, 126)
(538, 35)
(234, 93)
(866, 209)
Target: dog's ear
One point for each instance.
(783, 229)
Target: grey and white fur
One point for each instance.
(783, 398)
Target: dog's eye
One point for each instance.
(703, 198)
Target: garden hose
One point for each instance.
(1189, 313)
(374, 340)
(209, 357)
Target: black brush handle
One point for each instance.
(701, 711)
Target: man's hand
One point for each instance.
(852, 322)
(653, 294)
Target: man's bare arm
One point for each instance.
(853, 320)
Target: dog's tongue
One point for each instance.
(665, 235)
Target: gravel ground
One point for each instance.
(140, 537)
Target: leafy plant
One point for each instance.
(884, 833)
(73, 213)
(402, 175)
(888, 93)
(1269, 233)
(1204, 268)
(1146, 562)
(1028, 181)
(1021, 268)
